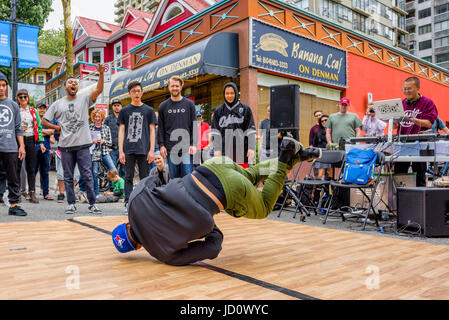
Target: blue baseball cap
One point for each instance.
(199, 114)
(121, 240)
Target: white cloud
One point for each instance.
(102, 10)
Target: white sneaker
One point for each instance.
(94, 209)
(71, 209)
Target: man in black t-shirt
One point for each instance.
(136, 137)
(177, 113)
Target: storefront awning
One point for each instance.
(217, 54)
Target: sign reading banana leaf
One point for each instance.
(284, 52)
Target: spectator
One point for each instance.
(101, 137)
(12, 146)
(265, 146)
(320, 141)
(117, 187)
(343, 124)
(72, 114)
(111, 122)
(421, 114)
(32, 135)
(43, 158)
(372, 126)
(177, 112)
(204, 140)
(136, 137)
(161, 168)
(439, 125)
(233, 121)
(317, 114)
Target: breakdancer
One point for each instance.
(175, 222)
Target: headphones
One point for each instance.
(413, 102)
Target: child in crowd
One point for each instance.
(117, 187)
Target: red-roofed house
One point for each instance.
(171, 12)
(101, 42)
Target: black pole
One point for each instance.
(14, 49)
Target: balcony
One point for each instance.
(119, 3)
(409, 22)
(119, 11)
(441, 50)
(410, 6)
(441, 17)
(399, 6)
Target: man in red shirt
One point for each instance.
(204, 140)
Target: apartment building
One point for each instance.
(382, 20)
(428, 25)
(143, 5)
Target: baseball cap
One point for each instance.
(121, 240)
(116, 101)
(22, 91)
(3, 77)
(41, 104)
(199, 114)
(345, 100)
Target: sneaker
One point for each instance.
(125, 212)
(16, 211)
(288, 149)
(94, 209)
(82, 197)
(310, 154)
(71, 209)
(61, 198)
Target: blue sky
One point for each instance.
(102, 10)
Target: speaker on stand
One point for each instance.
(284, 116)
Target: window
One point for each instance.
(424, 13)
(423, 45)
(302, 4)
(443, 25)
(104, 26)
(425, 29)
(442, 57)
(173, 10)
(344, 13)
(358, 22)
(428, 59)
(79, 33)
(80, 57)
(421, 1)
(40, 79)
(411, 29)
(118, 54)
(441, 42)
(96, 55)
(442, 9)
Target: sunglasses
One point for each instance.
(23, 97)
(324, 121)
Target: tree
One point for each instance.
(31, 12)
(68, 37)
(52, 42)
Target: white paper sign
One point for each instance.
(389, 109)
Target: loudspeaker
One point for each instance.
(424, 208)
(284, 107)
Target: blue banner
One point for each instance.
(5, 44)
(27, 46)
(285, 52)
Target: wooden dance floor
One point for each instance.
(266, 259)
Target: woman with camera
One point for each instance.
(372, 126)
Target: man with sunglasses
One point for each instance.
(72, 114)
(12, 147)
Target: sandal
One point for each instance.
(48, 197)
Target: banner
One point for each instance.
(285, 52)
(5, 44)
(27, 46)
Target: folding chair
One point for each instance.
(289, 192)
(380, 161)
(335, 158)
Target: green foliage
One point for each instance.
(52, 42)
(31, 12)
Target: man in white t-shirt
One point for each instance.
(72, 114)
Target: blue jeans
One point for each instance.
(115, 159)
(182, 169)
(43, 165)
(107, 161)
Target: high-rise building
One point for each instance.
(428, 25)
(382, 20)
(143, 5)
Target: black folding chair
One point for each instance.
(335, 158)
(372, 187)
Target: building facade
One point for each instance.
(428, 25)
(269, 43)
(383, 20)
(142, 5)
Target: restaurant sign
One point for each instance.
(285, 52)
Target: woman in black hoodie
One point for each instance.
(238, 118)
(319, 141)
